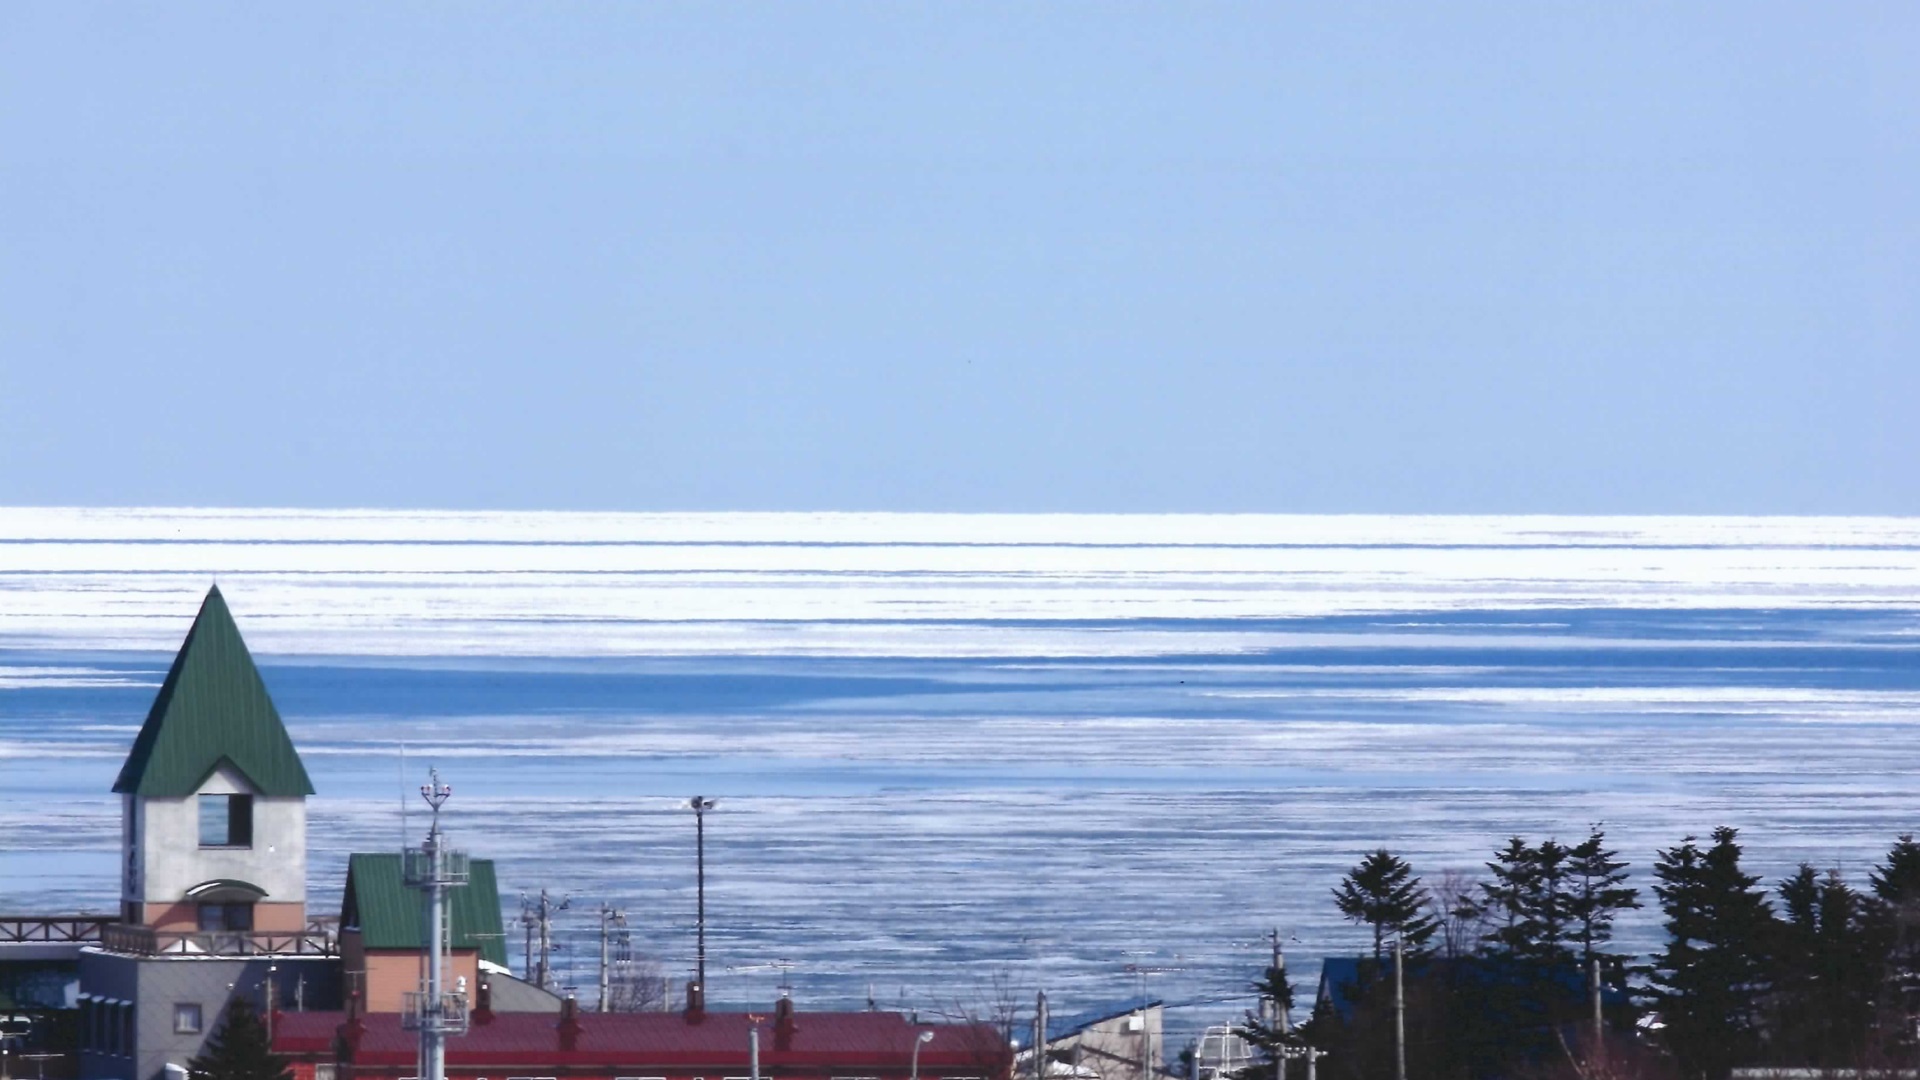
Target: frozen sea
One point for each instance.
(1095, 754)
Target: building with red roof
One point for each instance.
(691, 1044)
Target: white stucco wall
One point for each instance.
(167, 858)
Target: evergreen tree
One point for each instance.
(1383, 893)
(1530, 904)
(1509, 896)
(1893, 925)
(1598, 894)
(1523, 987)
(1711, 976)
(1823, 981)
(1264, 1030)
(240, 1050)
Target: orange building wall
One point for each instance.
(184, 917)
(383, 977)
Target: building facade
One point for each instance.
(213, 903)
(685, 1045)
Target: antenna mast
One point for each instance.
(432, 868)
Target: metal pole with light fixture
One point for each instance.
(925, 1038)
(700, 805)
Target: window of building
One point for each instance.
(226, 821)
(217, 918)
(186, 1018)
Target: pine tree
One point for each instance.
(1382, 892)
(1528, 897)
(240, 1050)
(1893, 922)
(1823, 981)
(1509, 896)
(1264, 1030)
(1598, 893)
(1710, 977)
(1525, 988)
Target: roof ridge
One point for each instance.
(213, 705)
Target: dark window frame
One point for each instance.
(234, 819)
(225, 918)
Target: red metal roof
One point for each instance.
(873, 1040)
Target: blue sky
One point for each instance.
(1077, 256)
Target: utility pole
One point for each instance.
(1282, 1020)
(700, 805)
(433, 869)
(1599, 1016)
(527, 922)
(537, 918)
(1399, 1011)
(1146, 1046)
(1040, 1037)
(609, 918)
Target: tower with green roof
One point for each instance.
(214, 796)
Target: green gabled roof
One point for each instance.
(213, 707)
(389, 915)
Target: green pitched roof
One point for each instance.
(389, 915)
(212, 707)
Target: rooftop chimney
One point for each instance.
(569, 1023)
(351, 1032)
(483, 1004)
(783, 1025)
(696, 1001)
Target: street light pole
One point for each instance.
(700, 805)
(925, 1038)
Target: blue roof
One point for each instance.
(1059, 1027)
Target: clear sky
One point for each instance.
(1029, 256)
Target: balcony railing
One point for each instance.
(318, 939)
(53, 928)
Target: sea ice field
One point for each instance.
(1099, 755)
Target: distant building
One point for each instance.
(382, 934)
(1118, 1041)
(213, 887)
(213, 907)
(213, 884)
(687, 1045)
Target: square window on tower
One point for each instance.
(226, 821)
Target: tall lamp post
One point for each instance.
(700, 805)
(925, 1038)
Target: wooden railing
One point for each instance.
(54, 928)
(318, 939)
